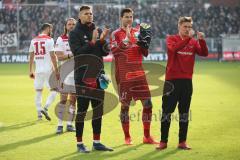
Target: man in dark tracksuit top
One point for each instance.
(181, 50)
(88, 50)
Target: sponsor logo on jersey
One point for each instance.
(185, 53)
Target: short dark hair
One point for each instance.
(126, 10)
(45, 26)
(85, 7)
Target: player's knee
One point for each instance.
(72, 110)
(63, 101)
(97, 112)
(124, 107)
(125, 104)
(72, 100)
(184, 117)
(72, 103)
(63, 98)
(53, 90)
(147, 103)
(124, 114)
(80, 117)
(166, 117)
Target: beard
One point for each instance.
(88, 23)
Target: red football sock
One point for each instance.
(96, 137)
(146, 119)
(146, 129)
(124, 116)
(79, 139)
(125, 127)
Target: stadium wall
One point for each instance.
(226, 49)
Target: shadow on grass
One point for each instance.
(156, 154)
(65, 156)
(17, 126)
(4, 148)
(119, 146)
(99, 155)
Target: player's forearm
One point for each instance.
(85, 49)
(54, 62)
(62, 57)
(104, 47)
(30, 67)
(177, 46)
(31, 62)
(204, 49)
(120, 48)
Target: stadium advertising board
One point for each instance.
(8, 40)
(231, 49)
(14, 58)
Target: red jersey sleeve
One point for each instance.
(201, 48)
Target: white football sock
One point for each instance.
(61, 108)
(60, 122)
(69, 123)
(38, 100)
(51, 97)
(71, 115)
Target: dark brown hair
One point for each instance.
(45, 26)
(126, 10)
(84, 8)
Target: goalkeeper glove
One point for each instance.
(145, 36)
(104, 81)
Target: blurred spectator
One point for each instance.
(214, 20)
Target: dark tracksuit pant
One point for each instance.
(181, 95)
(97, 110)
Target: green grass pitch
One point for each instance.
(214, 130)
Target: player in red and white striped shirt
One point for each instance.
(42, 52)
(130, 75)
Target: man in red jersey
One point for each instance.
(181, 50)
(129, 74)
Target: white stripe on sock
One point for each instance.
(96, 141)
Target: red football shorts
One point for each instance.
(134, 89)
